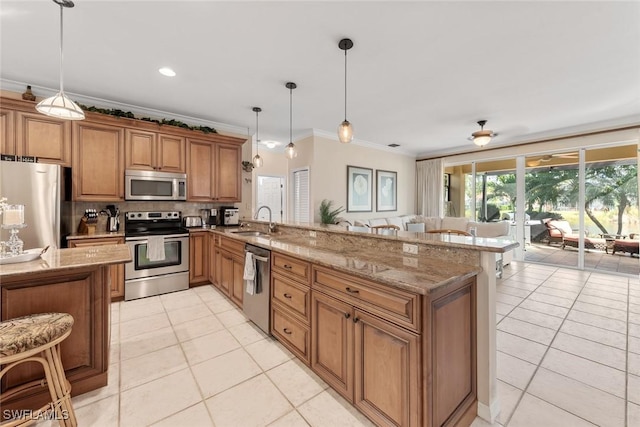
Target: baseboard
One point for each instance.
(489, 413)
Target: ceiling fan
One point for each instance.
(548, 157)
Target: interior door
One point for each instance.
(270, 192)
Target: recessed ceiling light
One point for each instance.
(166, 71)
(270, 144)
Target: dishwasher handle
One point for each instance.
(260, 258)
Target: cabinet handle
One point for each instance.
(355, 320)
(287, 296)
(347, 315)
(352, 291)
(286, 331)
(287, 266)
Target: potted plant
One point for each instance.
(328, 216)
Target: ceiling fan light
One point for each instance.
(481, 137)
(61, 107)
(345, 132)
(290, 151)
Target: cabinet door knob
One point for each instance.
(353, 291)
(286, 331)
(287, 296)
(287, 266)
(355, 320)
(347, 315)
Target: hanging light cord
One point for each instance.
(345, 85)
(291, 114)
(257, 136)
(61, 26)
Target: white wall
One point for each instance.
(329, 176)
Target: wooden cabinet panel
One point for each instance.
(44, 137)
(292, 267)
(332, 342)
(226, 272)
(116, 272)
(291, 333)
(98, 162)
(140, 149)
(7, 132)
(292, 295)
(171, 154)
(198, 258)
(387, 380)
(200, 162)
(232, 245)
(227, 173)
(211, 241)
(237, 288)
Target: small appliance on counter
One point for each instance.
(230, 215)
(214, 218)
(192, 221)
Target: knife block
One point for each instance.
(86, 227)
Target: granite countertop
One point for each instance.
(68, 259)
(101, 235)
(415, 274)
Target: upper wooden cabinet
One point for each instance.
(98, 162)
(213, 171)
(7, 134)
(153, 151)
(43, 137)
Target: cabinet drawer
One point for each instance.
(232, 245)
(291, 267)
(292, 295)
(291, 333)
(393, 304)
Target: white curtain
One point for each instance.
(429, 187)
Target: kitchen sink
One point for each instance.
(251, 233)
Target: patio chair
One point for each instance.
(630, 246)
(557, 230)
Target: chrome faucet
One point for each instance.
(272, 225)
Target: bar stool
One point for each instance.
(37, 338)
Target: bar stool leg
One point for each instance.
(63, 407)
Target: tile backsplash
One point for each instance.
(73, 211)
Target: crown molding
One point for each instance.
(362, 143)
(19, 87)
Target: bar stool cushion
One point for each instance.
(29, 332)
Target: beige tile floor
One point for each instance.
(568, 355)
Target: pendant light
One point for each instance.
(290, 149)
(59, 105)
(345, 130)
(257, 160)
(482, 137)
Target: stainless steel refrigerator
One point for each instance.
(40, 187)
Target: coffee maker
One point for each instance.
(214, 217)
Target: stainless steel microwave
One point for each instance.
(151, 185)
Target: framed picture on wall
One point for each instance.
(386, 191)
(359, 189)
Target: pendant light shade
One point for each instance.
(345, 130)
(482, 137)
(257, 160)
(59, 105)
(290, 149)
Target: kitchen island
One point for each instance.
(407, 338)
(74, 281)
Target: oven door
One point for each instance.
(176, 249)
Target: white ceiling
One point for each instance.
(420, 73)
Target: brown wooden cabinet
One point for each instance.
(213, 256)
(291, 304)
(147, 150)
(229, 261)
(373, 361)
(7, 132)
(116, 272)
(213, 170)
(198, 258)
(98, 162)
(43, 137)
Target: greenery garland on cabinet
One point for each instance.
(129, 115)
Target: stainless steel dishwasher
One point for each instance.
(257, 306)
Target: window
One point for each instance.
(301, 195)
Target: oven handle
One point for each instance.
(168, 237)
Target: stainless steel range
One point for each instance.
(159, 247)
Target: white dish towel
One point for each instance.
(249, 275)
(155, 248)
